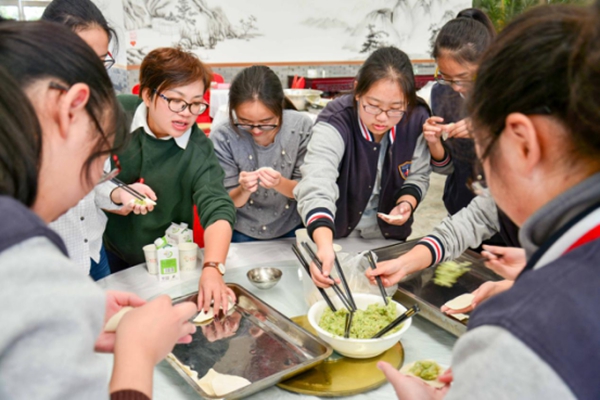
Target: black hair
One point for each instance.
(391, 64)
(466, 37)
(78, 15)
(33, 51)
(549, 63)
(258, 83)
(20, 135)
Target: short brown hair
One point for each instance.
(168, 67)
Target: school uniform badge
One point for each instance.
(404, 169)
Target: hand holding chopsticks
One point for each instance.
(407, 314)
(306, 266)
(377, 278)
(135, 197)
(348, 303)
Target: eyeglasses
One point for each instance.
(264, 128)
(108, 61)
(391, 113)
(452, 82)
(113, 172)
(179, 105)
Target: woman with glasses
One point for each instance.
(537, 134)
(367, 165)
(457, 50)
(174, 157)
(261, 149)
(82, 227)
(52, 314)
(474, 219)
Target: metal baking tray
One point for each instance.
(419, 287)
(254, 341)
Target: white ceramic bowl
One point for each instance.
(300, 97)
(357, 348)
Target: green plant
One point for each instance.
(501, 12)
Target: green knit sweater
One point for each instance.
(180, 178)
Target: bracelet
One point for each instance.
(412, 209)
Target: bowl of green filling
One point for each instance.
(372, 316)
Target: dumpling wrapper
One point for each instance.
(206, 381)
(203, 318)
(392, 217)
(459, 316)
(217, 384)
(113, 322)
(266, 168)
(460, 302)
(223, 384)
(434, 383)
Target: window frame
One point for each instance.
(21, 4)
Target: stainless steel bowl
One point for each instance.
(264, 278)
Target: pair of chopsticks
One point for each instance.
(349, 300)
(369, 256)
(348, 324)
(128, 189)
(407, 314)
(306, 266)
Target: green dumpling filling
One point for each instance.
(427, 370)
(365, 323)
(447, 273)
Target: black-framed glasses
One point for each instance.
(179, 105)
(108, 61)
(391, 113)
(452, 82)
(113, 172)
(262, 127)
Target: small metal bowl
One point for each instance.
(264, 278)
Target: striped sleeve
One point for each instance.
(317, 218)
(441, 163)
(435, 246)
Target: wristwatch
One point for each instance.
(219, 266)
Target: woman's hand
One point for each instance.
(391, 272)
(248, 181)
(432, 130)
(115, 301)
(399, 214)
(483, 292)
(149, 332)
(327, 257)
(121, 196)
(269, 178)
(460, 129)
(222, 328)
(410, 387)
(508, 262)
(212, 289)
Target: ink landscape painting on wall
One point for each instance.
(263, 31)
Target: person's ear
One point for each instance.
(146, 97)
(522, 137)
(72, 106)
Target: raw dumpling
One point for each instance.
(434, 382)
(217, 384)
(113, 322)
(203, 318)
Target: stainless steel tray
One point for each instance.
(255, 341)
(419, 287)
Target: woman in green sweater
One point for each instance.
(176, 159)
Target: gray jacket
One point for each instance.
(467, 228)
(268, 214)
(51, 316)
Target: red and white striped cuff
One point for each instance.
(435, 246)
(441, 163)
